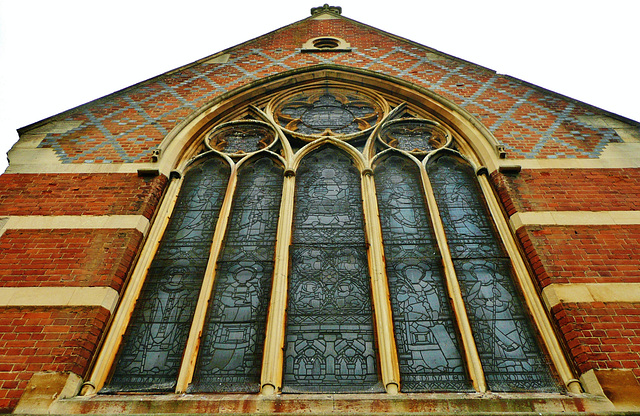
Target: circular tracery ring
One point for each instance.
(417, 136)
(328, 111)
(241, 137)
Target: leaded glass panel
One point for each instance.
(328, 111)
(509, 352)
(428, 349)
(241, 137)
(151, 351)
(414, 135)
(230, 354)
(330, 343)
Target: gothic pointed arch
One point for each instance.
(237, 104)
(330, 344)
(429, 351)
(511, 356)
(332, 265)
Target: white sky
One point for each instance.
(56, 55)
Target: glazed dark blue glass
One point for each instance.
(330, 345)
(151, 351)
(509, 351)
(425, 330)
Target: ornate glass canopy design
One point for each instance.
(328, 111)
(415, 135)
(241, 137)
(330, 343)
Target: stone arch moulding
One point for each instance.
(173, 150)
(181, 147)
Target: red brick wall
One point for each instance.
(601, 335)
(63, 339)
(583, 254)
(569, 190)
(35, 339)
(79, 194)
(67, 257)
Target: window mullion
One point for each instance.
(193, 342)
(273, 357)
(380, 288)
(125, 309)
(530, 294)
(471, 352)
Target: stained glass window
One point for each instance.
(330, 344)
(509, 352)
(151, 352)
(241, 137)
(428, 350)
(231, 348)
(328, 111)
(418, 136)
(328, 326)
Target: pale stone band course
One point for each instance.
(105, 297)
(520, 219)
(42, 222)
(557, 293)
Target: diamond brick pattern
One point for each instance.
(127, 126)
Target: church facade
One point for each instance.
(325, 219)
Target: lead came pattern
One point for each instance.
(414, 136)
(510, 355)
(330, 340)
(231, 352)
(328, 111)
(241, 138)
(428, 350)
(152, 347)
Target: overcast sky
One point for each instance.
(56, 55)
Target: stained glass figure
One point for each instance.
(330, 343)
(241, 137)
(510, 354)
(328, 111)
(414, 135)
(230, 355)
(151, 351)
(428, 349)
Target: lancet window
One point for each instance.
(231, 347)
(330, 344)
(506, 342)
(327, 243)
(429, 352)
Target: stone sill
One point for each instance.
(339, 404)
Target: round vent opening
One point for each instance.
(326, 43)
